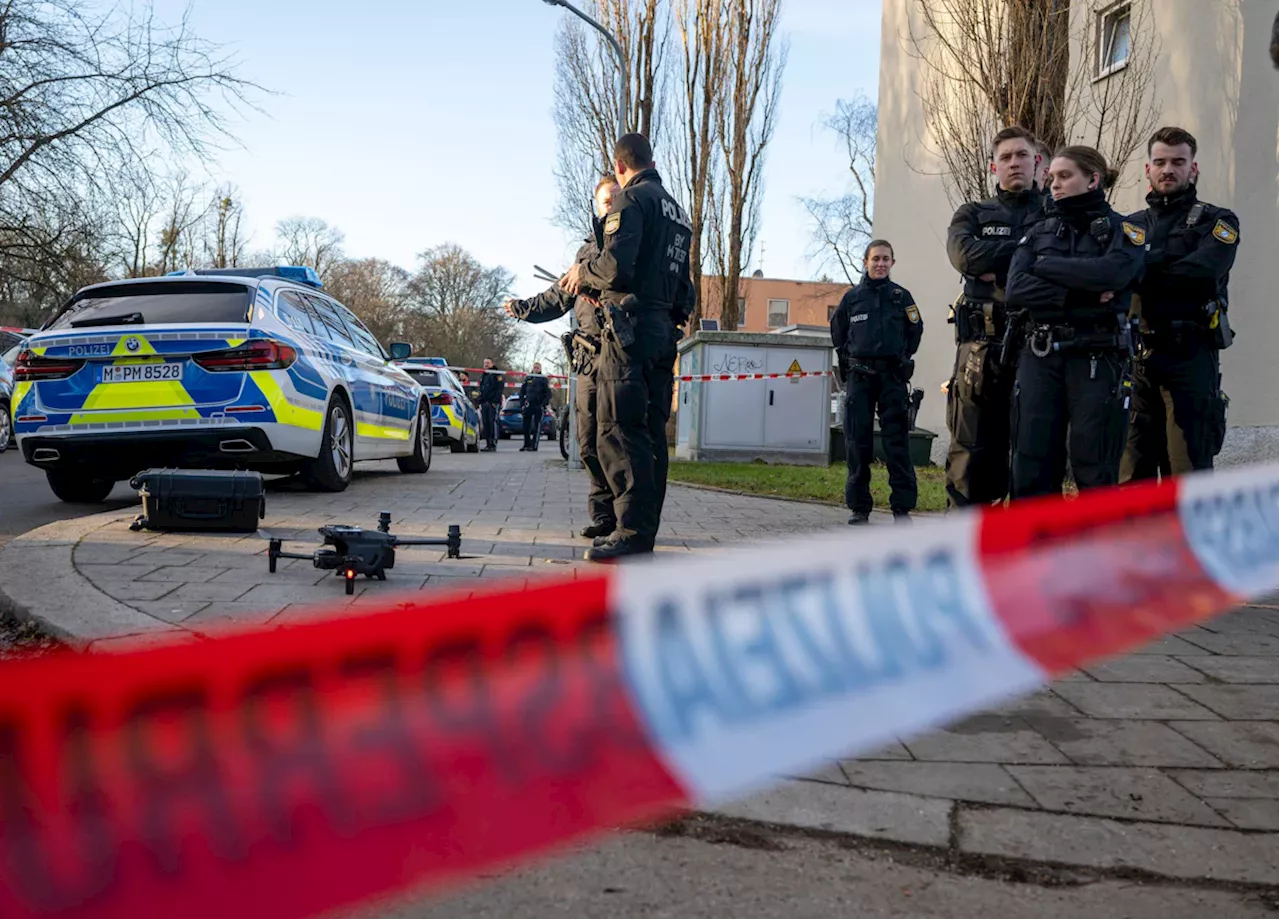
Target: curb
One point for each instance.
(39, 583)
(814, 501)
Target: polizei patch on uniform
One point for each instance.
(997, 231)
(1225, 232)
(1136, 234)
(612, 223)
(913, 313)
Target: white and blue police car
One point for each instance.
(243, 368)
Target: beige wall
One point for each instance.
(1215, 78)
(808, 301)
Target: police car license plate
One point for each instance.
(141, 373)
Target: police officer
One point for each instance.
(535, 393)
(642, 273)
(981, 242)
(876, 329)
(1180, 411)
(491, 386)
(553, 303)
(1074, 274)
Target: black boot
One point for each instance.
(901, 517)
(596, 529)
(621, 548)
(859, 518)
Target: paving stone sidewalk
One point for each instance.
(1161, 763)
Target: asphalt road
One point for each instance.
(26, 501)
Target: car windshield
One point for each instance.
(10, 357)
(513, 402)
(423, 377)
(156, 303)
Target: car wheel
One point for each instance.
(459, 445)
(6, 427)
(331, 470)
(474, 446)
(420, 461)
(75, 487)
(564, 441)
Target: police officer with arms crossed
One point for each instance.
(1191, 246)
(980, 242)
(876, 329)
(1074, 274)
(553, 303)
(535, 393)
(491, 387)
(642, 274)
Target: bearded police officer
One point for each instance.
(1180, 411)
(642, 273)
(980, 242)
(584, 349)
(876, 329)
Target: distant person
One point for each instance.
(876, 329)
(491, 388)
(1042, 170)
(535, 393)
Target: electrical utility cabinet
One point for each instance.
(779, 421)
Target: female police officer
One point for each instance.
(1073, 276)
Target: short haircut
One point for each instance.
(878, 244)
(1013, 132)
(633, 151)
(1173, 137)
(605, 182)
(1045, 152)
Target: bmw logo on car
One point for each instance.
(132, 344)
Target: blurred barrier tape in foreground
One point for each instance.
(289, 772)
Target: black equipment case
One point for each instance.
(200, 499)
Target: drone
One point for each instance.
(349, 551)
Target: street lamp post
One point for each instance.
(624, 95)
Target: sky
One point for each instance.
(411, 124)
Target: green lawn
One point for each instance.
(817, 483)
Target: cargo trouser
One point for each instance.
(1180, 416)
(979, 403)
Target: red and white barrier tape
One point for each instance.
(290, 772)
(734, 377)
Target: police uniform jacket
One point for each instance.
(555, 301)
(535, 391)
(984, 235)
(645, 250)
(1064, 263)
(491, 386)
(1191, 247)
(878, 319)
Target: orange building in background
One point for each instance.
(765, 304)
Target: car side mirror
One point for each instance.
(400, 350)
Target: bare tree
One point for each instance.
(376, 291)
(988, 64)
(310, 241)
(455, 307)
(842, 224)
(185, 211)
(224, 242)
(755, 61)
(85, 87)
(702, 26)
(139, 204)
(586, 109)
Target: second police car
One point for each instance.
(454, 418)
(222, 368)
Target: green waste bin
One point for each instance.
(919, 440)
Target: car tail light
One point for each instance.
(30, 367)
(260, 354)
(443, 398)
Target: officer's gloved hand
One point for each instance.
(908, 369)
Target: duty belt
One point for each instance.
(980, 320)
(1047, 339)
(1177, 332)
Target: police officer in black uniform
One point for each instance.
(876, 329)
(1074, 274)
(981, 242)
(646, 294)
(584, 349)
(535, 393)
(491, 387)
(1180, 411)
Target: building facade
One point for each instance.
(1214, 76)
(768, 304)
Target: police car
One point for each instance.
(454, 418)
(225, 368)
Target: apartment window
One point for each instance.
(831, 310)
(1114, 39)
(779, 311)
(742, 311)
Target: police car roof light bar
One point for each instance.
(299, 274)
